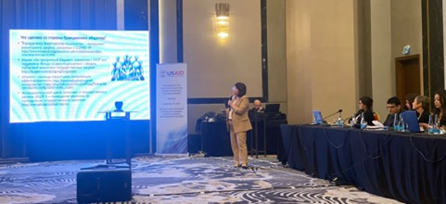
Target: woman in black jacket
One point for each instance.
(365, 106)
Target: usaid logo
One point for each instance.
(162, 74)
(179, 73)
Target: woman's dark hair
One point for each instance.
(367, 101)
(442, 94)
(410, 98)
(241, 88)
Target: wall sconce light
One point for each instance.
(222, 13)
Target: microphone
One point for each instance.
(231, 97)
(339, 111)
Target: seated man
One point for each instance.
(257, 108)
(394, 107)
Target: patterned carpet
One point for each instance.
(181, 180)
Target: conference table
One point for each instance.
(409, 167)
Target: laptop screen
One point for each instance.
(410, 118)
(317, 114)
(272, 108)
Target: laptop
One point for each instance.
(410, 118)
(272, 108)
(318, 119)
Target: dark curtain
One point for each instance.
(49, 15)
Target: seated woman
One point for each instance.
(440, 107)
(365, 106)
(421, 106)
(409, 101)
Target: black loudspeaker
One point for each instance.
(104, 185)
(193, 143)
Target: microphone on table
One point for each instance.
(339, 111)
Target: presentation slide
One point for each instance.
(76, 75)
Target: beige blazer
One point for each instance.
(240, 118)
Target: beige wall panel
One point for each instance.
(214, 67)
(381, 57)
(277, 75)
(168, 31)
(406, 30)
(333, 57)
(298, 35)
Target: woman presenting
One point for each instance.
(239, 124)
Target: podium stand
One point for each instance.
(258, 117)
(265, 133)
(118, 139)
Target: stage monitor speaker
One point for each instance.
(104, 185)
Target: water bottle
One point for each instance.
(396, 125)
(402, 126)
(436, 128)
(353, 120)
(431, 125)
(339, 122)
(363, 121)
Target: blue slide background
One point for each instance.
(63, 75)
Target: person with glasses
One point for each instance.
(258, 108)
(394, 107)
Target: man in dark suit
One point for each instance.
(257, 109)
(394, 107)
